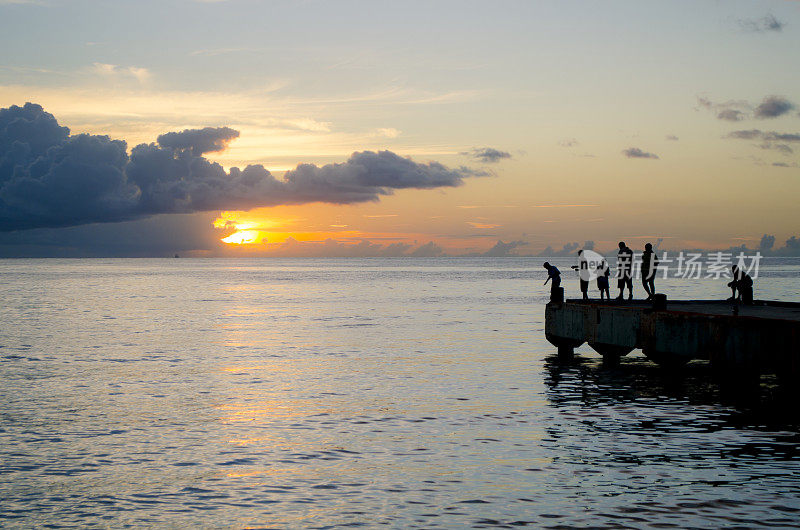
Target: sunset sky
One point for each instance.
(532, 123)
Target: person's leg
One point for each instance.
(747, 296)
(630, 287)
(621, 285)
(646, 287)
(652, 282)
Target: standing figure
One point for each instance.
(552, 274)
(649, 266)
(583, 274)
(603, 273)
(625, 270)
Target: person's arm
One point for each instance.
(547, 280)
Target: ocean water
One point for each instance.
(258, 393)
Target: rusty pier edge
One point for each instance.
(751, 340)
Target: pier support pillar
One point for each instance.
(566, 353)
(611, 353)
(670, 361)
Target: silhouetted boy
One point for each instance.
(603, 273)
(552, 274)
(625, 270)
(583, 274)
(649, 266)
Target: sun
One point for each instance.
(242, 237)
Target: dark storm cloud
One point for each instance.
(51, 179)
(199, 141)
(635, 152)
(487, 154)
(762, 25)
(773, 106)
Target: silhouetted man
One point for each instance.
(583, 274)
(625, 270)
(553, 274)
(649, 266)
(743, 283)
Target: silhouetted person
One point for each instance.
(603, 272)
(743, 283)
(583, 274)
(625, 270)
(553, 274)
(649, 266)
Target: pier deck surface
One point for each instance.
(760, 309)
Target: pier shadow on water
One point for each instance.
(672, 449)
(589, 383)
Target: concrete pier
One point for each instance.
(746, 340)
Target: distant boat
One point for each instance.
(177, 256)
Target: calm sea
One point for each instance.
(362, 392)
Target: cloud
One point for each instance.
(672, 137)
(483, 226)
(745, 135)
(567, 250)
(770, 139)
(767, 242)
(730, 115)
(790, 248)
(501, 249)
(635, 152)
(773, 106)
(428, 250)
(770, 107)
(113, 71)
(487, 154)
(49, 178)
(388, 132)
(199, 141)
(161, 235)
(729, 111)
(762, 25)
(291, 247)
(782, 148)
(568, 142)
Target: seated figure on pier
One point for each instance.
(625, 270)
(552, 274)
(649, 266)
(743, 283)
